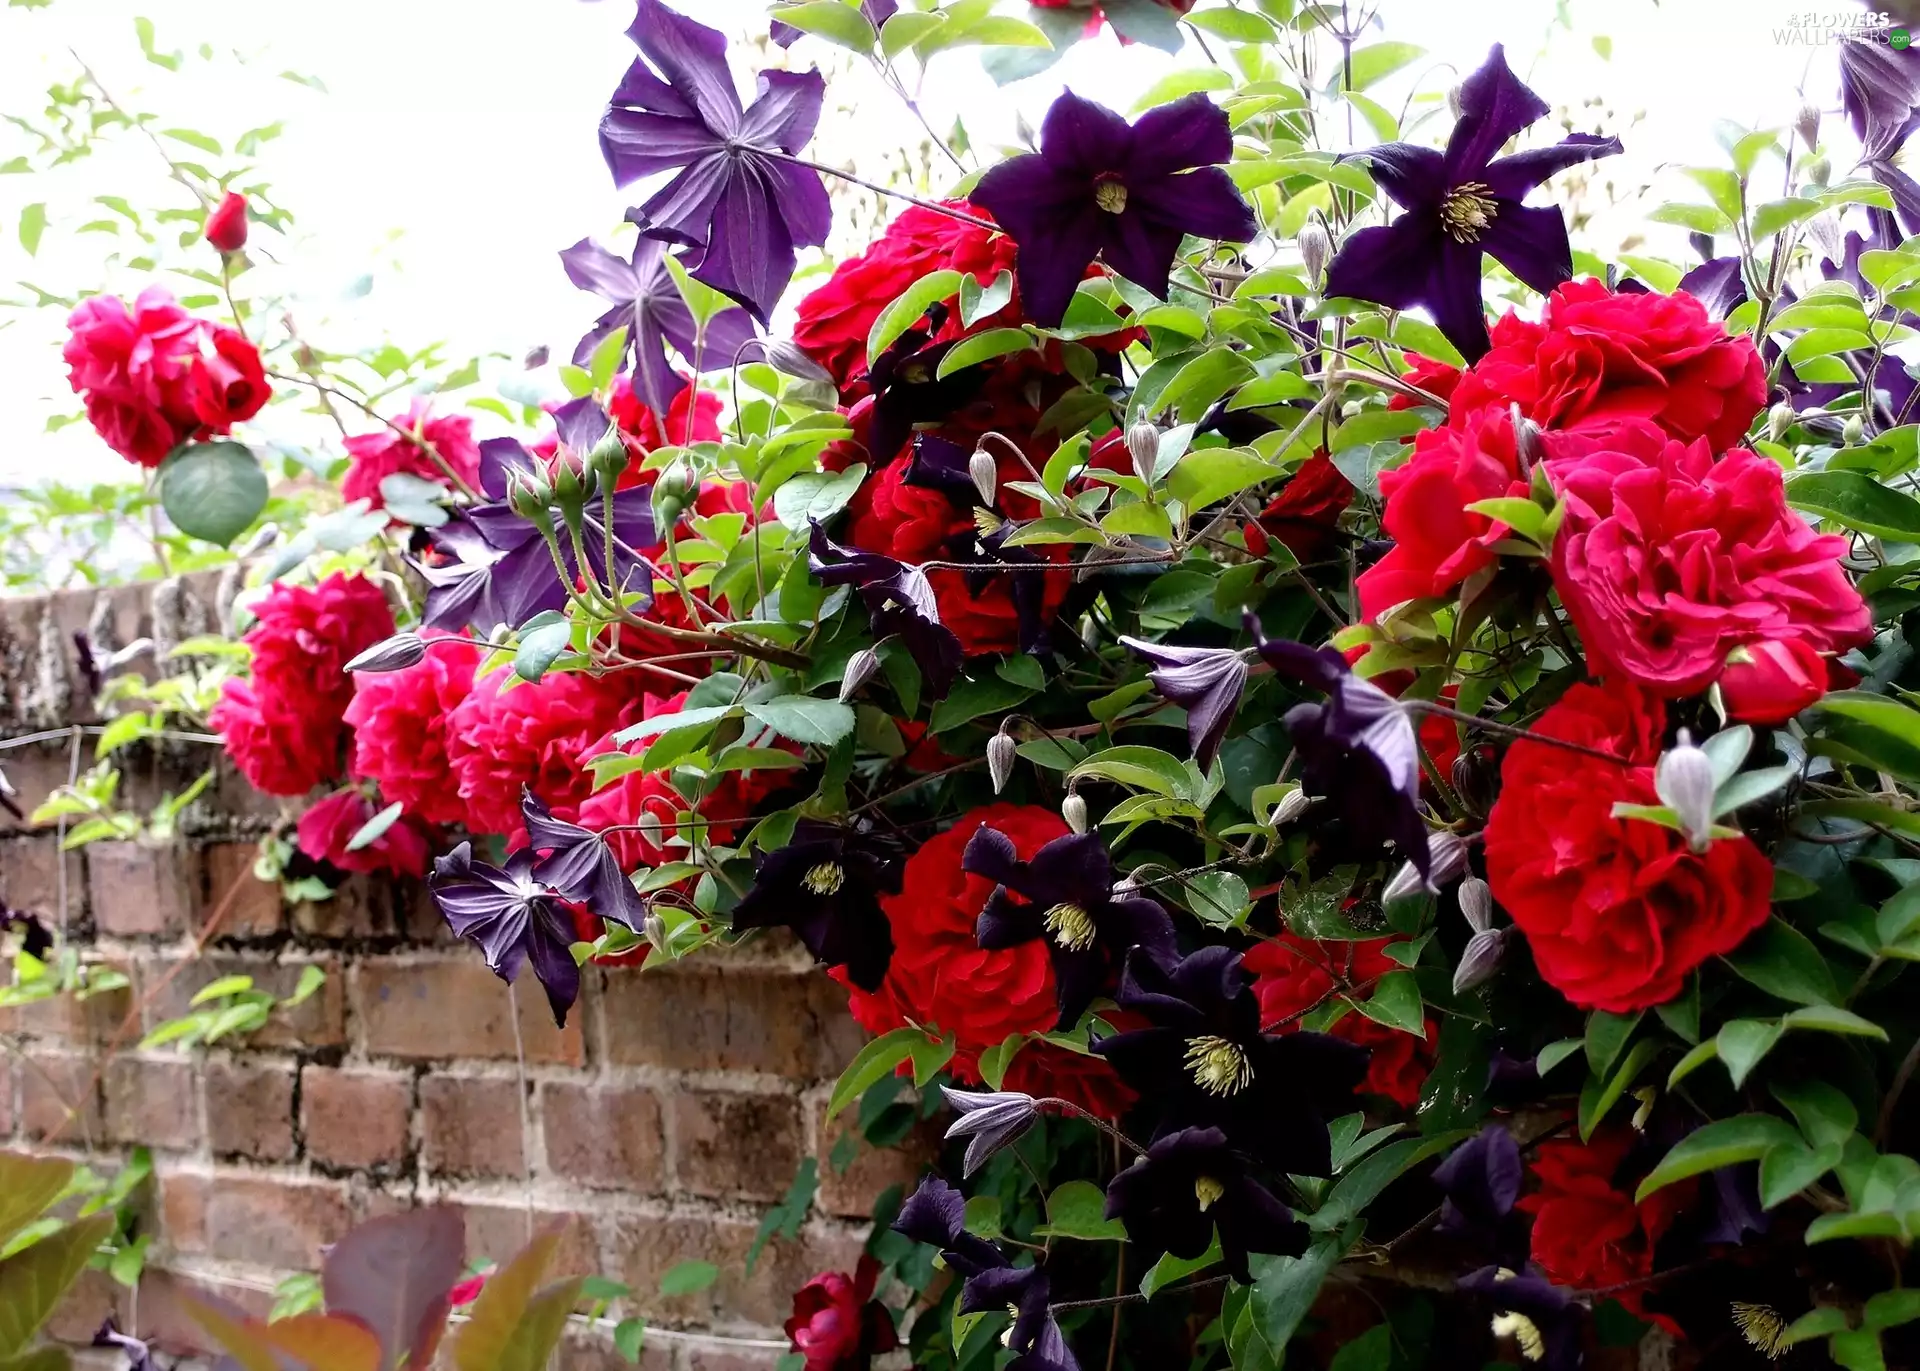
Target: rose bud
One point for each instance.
(1770, 682)
(227, 225)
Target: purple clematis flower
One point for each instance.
(825, 885)
(1481, 1180)
(1191, 1184)
(908, 389)
(1880, 92)
(900, 602)
(579, 865)
(1208, 1065)
(989, 1121)
(1126, 194)
(1066, 896)
(514, 917)
(648, 305)
(1205, 681)
(740, 200)
(495, 566)
(1359, 749)
(877, 12)
(1461, 204)
(1538, 1315)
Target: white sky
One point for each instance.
(472, 124)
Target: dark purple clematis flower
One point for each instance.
(139, 1354)
(1893, 386)
(1481, 1179)
(36, 939)
(1359, 749)
(825, 885)
(740, 200)
(1126, 194)
(579, 866)
(1717, 284)
(989, 1121)
(513, 917)
(1192, 1183)
(899, 602)
(1542, 1318)
(1461, 204)
(877, 13)
(1067, 897)
(1879, 90)
(648, 304)
(1205, 681)
(908, 389)
(1208, 1065)
(494, 566)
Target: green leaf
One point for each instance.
(983, 347)
(1858, 1350)
(1396, 1003)
(1370, 1351)
(1824, 1114)
(542, 639)
(1366, 1178)
(1285, 1288)
(1554, 1053)
(979, 302)
(1236, 26)
(689, 1278)
(816, 496)
(909, 305)
(32, 1282)
(972, 698)
(212, 491)
(1597, 1103)
(804, 718)
(878, 1059)
(831, 20)
(1826, 1018)
(1209, 474)
(1789, 1168)
(27, 1186)
(1140, 768)
(1858, 502)
(1203, 380)
(33, 223)
(1701, 1054)
(1775, 215)
(373, 829)
(1891, 1308)
(1174, 85)
(1816, 1323)
(1743, 1043)
(629, 1337)
(1725, 1142)
(1171, 1268)
(1377, 61)
(194, 139)
(1890, 716)
(1783, 961)
(1829, 1227)
(905, 29)
(1078, 1210)
(1606, 1035)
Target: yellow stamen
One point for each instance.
(1111, 196)
(1762, 1327)
(1208, 1192)
(825, 879)
(1071, 926)
(1524, 1331)
(1465, 211)
(1219, 1067)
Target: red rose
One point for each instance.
(1293, 974)
(227, 225)
(385, 452)
(837, 1325)
(906, 522)
(1769, 682)
(296, 701)
(1617, 911)
(833, 321)
(1438, 541)
(229, 383)
(1600, 356)
(328, 826)
(1304, 515)
(537, 735)
(400, 721)
(940, 976)
(135, 367)
(1668, 560)
(1435, 377)
(1045, 1070)
(1587, 1231)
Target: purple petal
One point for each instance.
(1389, 265)
(1494, 106)
(1453, 295)
(636, 144)
(786, 111)
(1190, 132)
(580, 424)
(551, 957)
(803, 200)
(1081, 136)
(1204, 203)
(991, 853)
(692, 58)
(1529, 242)
(591, 267)
(1415, 177)
(682, 210)
(1512, 177)
(1717, 284)
(1139, 248)
(748, 256)
(1878, 90)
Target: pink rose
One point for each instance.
(328, 827)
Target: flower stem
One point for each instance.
(878, 189)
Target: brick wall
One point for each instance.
(676, 1104)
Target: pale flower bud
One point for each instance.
(397, 653)
(1481, 959)
(1000, 752)
(860, 669)
(1316, 249)
(1683, 779)
(1807, 124)
(652, 832)
(1779, 419)
(1526, 440)
(1853, 430)
(985, 473)
(1292, 805)
(1446, 860)
(1074, 810)
(1476, 902)
(787, 358)
(654, 929)
(1143, 445)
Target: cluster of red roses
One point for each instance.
(153, 376)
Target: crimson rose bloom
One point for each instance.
(284, 728)
(1438, 541)
(833, 321)
(1768, 683)
(1304, 515)
(1587, 1231)
(384, 452)
(1292, 974)
(1434, 376)
(227, 225)
(1599, 356)
(1046, 1071)
(327, 827)
(1617, 911)
(1669, 560)
(837, 1325)
(229, 382)
(537, 735)
(400, 721)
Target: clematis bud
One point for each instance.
(1292, 805)
(1316, 249)
(1779, 419)
(1527, 446)
(532, 499)
(536, 357)
(860, 669)
(1446, 860)
(1482, 958)
(652, 832)
(654, 929)
(1476, 780)
(227, 225)
(1000, 752)
(397, 653)
(787, 358)
(1074, 810)
(1143, 445)
(989, 1120)
(1476, 903)
(1807, 124)
(1853, 430)
(985, 473)
(1683, 779)
(1818, 169)
(671, 492)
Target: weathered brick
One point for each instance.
(183, 1210)
(427, 1007)
(356, 1119)
(65, 1018)
(596, 1352)
(851, 1193)
(90, 1300)
(59, 1101)
(167, 985)
(735, 1146)
(140, 891)
(271, 1221)
(647, 1248)
(34, 773)
(706, 1020)
(470, 1126)
(497, 1231)
(253, 905)
(152, 1102)
(250, 1109)
(603, 1136)
(30, 877)
(361, 908)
